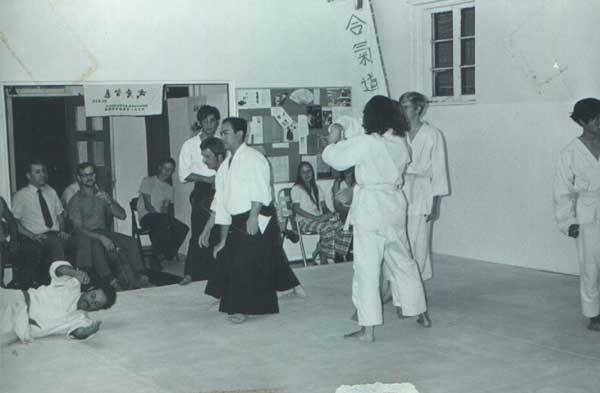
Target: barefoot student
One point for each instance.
(378, 214)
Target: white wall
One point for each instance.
(502, 149)
(130, 162)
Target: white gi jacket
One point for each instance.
(427, 175)
(190, 160)
(241, 180)
(576, 186)
(380, 162)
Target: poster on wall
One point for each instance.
(295, 117)
(123, 100)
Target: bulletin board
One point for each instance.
(289, 125)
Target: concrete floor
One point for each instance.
(495, 329)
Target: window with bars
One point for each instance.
(453, 51)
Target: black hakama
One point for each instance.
(251, 269)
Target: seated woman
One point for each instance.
(342, 191)
(308, 202)
(155, 209)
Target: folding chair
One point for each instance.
(284, 197)
(137, 231)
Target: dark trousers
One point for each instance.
(35, 259)
(92, 256)
(197, 261)
(166, 233)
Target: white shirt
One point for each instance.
(380, 162)
(427, 174)
(239, 183)
(69, 192)
(26, 208)
(301, 197)
(576, 186)
(190, 160)
(54, 306)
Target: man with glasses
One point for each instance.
(98, 245)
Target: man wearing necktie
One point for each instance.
(39, 214)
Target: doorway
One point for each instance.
(56, 131)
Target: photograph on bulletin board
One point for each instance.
(292, 122)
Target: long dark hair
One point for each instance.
(380, 114)
(312, 190)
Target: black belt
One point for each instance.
(28, 303)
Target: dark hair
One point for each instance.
(416, 99)
(168, 160)
(349, 171)
(207, 110)
(585, 110)
(312, 190)
(34, 161)
(381, 114)
(238, 124)
(111, 295)
(84, 165)
(215, 145)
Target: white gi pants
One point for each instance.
(14, 319)
(588, 253)
(419, 236)
(390, 246)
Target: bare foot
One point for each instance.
(365, 334)
(186, 280)
(237, 318)
(424, 320)
(299, 291)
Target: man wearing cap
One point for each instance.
(577, 202)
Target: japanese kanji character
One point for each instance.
(355, 25)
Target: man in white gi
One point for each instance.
(378, 214)
(251, 264)
(426, 178)
(193, 169)
(577, 202)
(55, 309)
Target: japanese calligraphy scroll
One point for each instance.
(123, 100)
(361, 42)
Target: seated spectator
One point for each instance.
(69, 192)
(58, 308)
(308, 202)
(97, 245)
(39, 215)
(8, 238)
(342, 191)
(155, 211)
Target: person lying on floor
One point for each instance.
(55, 309)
